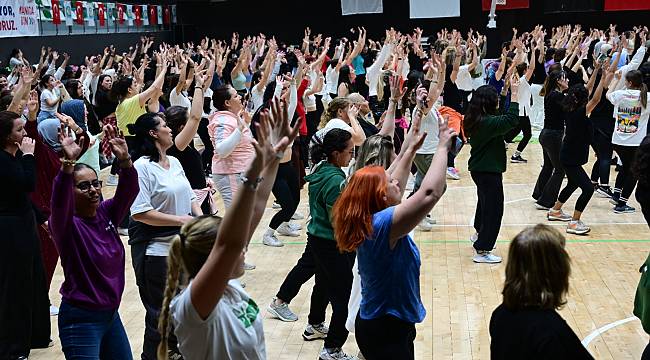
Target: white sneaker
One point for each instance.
(334, 354)
(557, 215)
(295, 226)
(541, 207)
(123, 231)
(286, 230)
(112, 180)
(281, 311)
(577, 227)
(430, 220)
(486, 257)
(452, 173)
(315, 332)
(271, 240)
(54, 311)
(474, 237)
(276, 206)
(425, 225)
(297, 216)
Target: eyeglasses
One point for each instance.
(85, 185)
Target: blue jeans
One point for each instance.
(92, 334)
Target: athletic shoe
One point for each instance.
(122, 231)
(112, 180)
(276, 206)
(249, 266)
(624, 209)
(334, 354)
(577, 227)
(271, 240)
(315, 332)
(474, 237)
(297, 216)
(285, 230)
(294, 226)
(515, 159)
(425, 225)
(604, 191)
(614, 199)
(541, 207)
(557, 215)
(452, 173)
(282, 311)
(430, 220)
(486, 257)
(54, 311)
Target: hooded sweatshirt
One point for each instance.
(325, 185)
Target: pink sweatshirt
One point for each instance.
(233, 150)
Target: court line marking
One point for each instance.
(605, 328)
(430, 242)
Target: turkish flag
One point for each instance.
(121, 8)
(137, 10)
(506, 4)
(101, 14)
(619, 5)
(167, 15)
(56, 12)
(79, 12)
(153, 15)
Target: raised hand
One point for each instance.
(445, 133)
(71, 150)
(397, 91)
(27, 146)
(116, 140)
(33, 103)
(281, 123)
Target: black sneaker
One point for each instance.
(624, 209)
(517, 159)
(614, 199)
(604, 191)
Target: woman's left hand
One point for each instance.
(118, 144)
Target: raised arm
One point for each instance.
(184, 138)
(157, 84)
(396, 94)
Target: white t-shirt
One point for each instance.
(232, 331)
(332, 80)
(464, 79)
(334, 123)
(257, 97)
(430, 125)
(631, 119)
(163, 190)
(51, 95)
(176, 99)
(524, 97)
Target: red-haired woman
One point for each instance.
(370, 218)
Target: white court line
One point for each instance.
(602, 329)
(474, 186)
(549, 223)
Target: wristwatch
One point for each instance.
(251, 183)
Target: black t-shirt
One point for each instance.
(192, 164)
(532, 335)
(539, 74)
(553, 113)
(451, 95)
(577, 138)
(602, 116)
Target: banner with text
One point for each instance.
(18, 18)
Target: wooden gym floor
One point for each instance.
(458, 294)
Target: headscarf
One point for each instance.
(48, 129)
(76, 110)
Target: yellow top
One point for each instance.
(127, 112)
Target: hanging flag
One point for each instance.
(67, 12)
(351, 7)
(79, 12)
(506, 4)
(621, 5)
(101, 14)
(173, 14)
(90, 13)
(56, 12)
(153, 16)
(137, 11)
(129, 15)
(166, 15)
(420, 9)
(121, 13)
(159, 14)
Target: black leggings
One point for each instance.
(577, 178)
(626, 179)
(208, 150)
(602, 145)
(386, 337)
(287, 193)
(313, 119)
(524, 127)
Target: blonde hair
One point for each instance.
(332, 110)
(380, 86)
(188, 252)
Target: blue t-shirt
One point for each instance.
(357, 63)
(390, 279)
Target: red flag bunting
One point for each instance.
(153, 15)
(167, 16)
(619, 5)
(101, 14)
(79, 12)
(506, 4)
(121, 9)
(137, 10)
(56, 12)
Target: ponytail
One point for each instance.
(636, 80)
(334, 140)
(332, 110)
(173, 274)
(644, 95)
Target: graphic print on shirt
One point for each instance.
(247, 313)
(628, 115)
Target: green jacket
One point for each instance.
(488, 153)
(642, 298)
(325, 185)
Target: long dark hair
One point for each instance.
(485, 101)
(576, 97)
(344, 78)
(176, 117)
(120, 88)
(44, 80)
(334, 140)
(220, 96)
(635, 77)
(552, 82)
(145, 144)
(7, 119)
(72, 87)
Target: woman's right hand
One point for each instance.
(27, 146)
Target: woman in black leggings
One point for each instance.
(550, 178)
(574, 154)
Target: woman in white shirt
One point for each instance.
(213, 317)
(50, 97)
(165, 202)
(341, 114)
(631, 116)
